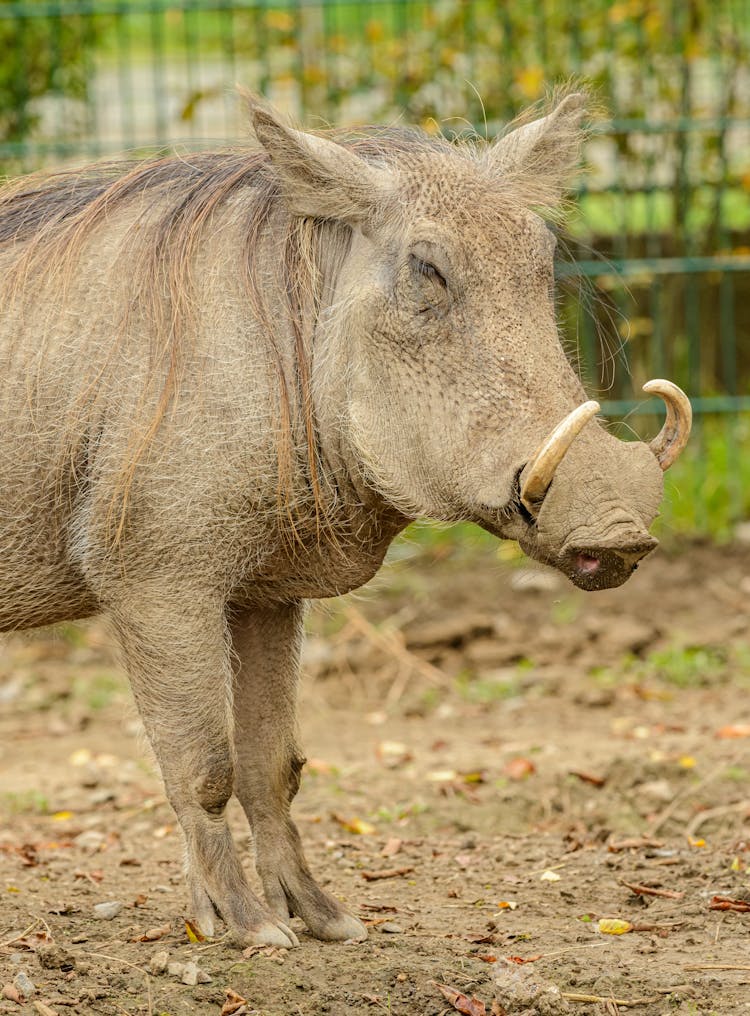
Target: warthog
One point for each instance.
(229, 380)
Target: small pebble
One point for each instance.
(175, 968)
(106, 911)
(102, 796)
(190, 974)
(390, 928)
(23, 983)
(92, 839)
(158, 962)
(44, 1010)
(55, 957)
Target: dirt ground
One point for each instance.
(522, 760)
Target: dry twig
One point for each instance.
(705, 816)
(390, 644)
(574, 996)
(717, 966)
(23, 934)
(645, 890)
(690, 791)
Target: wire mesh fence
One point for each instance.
(657, 282)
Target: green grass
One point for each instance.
(26, 802)
(707, 491)
(100, 690)
(681, 666)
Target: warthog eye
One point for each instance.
(429, 271)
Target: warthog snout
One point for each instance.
(585, 499)
(594, 567)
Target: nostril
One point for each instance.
(587, 564)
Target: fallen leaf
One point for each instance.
(354, 825)
(375, 876)
(11, 992)
(507, 905)
(634, 843)
(462, 1003)
(520, 960)
(392, 754)
(193, 932)
(595, 781)
(699, 842)
(233, 1002)
(81, 757)
(475, 776)
(154, 934)
(614, 926)
(272, 952)
(727, 903)
(392, 847)
(519, 768)
(91, 876)
(61, 816)
(141, 900)
(442, 775)
(733, 730)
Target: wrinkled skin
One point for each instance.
(435, 373)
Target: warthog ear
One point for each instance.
(543, 153)
(319, 177)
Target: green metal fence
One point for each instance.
(659, 278)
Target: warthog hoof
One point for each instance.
(277, 934)
(344, 928)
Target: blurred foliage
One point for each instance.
(42, 58)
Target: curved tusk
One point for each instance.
(542, 467)
(673, 436)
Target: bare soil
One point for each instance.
(524, 760)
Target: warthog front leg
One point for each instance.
(268, 765)
(177, 654)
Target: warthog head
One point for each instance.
(438, 372)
